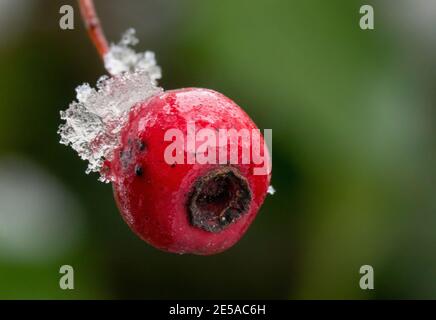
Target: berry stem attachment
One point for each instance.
(93, 26)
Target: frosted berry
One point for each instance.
(179, 205)
(170, 196)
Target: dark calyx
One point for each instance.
(218, 199)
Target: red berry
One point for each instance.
(181, 207)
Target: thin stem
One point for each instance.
(93, 26)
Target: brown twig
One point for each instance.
(93, 26)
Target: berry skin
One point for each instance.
(180, 207)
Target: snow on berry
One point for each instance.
(122, 58)
(271, 190)
(94, 120)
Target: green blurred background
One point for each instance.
(354, 148)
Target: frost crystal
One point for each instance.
(121, 58)
(271, 190)
(93, 122)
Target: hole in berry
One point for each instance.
(218, 199)
(138, 171)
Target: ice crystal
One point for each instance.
(122, 58)
(93, 122)
(271, 190)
